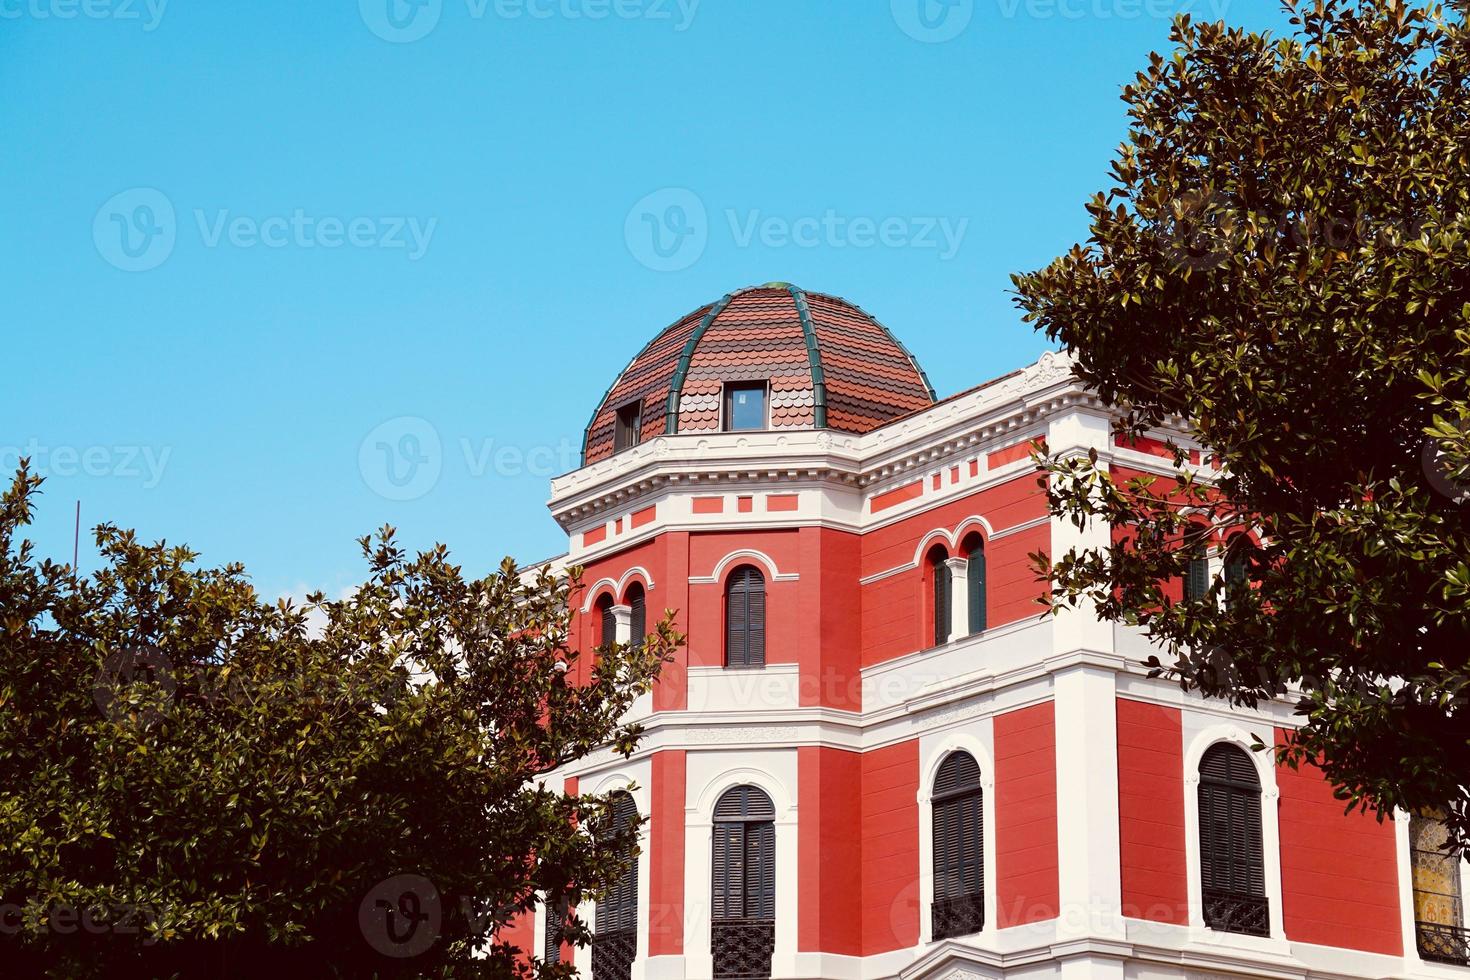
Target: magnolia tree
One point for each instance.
(1282, 262)
(197, 782)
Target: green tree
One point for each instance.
(1282, 262)
(195, 782)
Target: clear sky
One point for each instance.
(255, 252)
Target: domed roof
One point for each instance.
(826, 362)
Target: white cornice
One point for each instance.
(1011, 406)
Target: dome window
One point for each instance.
(629, 427)
(745, 406)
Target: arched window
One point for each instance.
(974, 546)
(743, 905)
(959, 850)
(1231, 856)
(940, 592)
(1237, 563)
(638, 618)
(745, 618)
(616, 943)
(609, 622)
(1439, 912)
(1197, 575)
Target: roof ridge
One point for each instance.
(676, 384)
(813, 356)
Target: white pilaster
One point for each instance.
(1088, 851)
(959, 597)
(622, 623)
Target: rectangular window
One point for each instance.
(745, 406)
(630, 426)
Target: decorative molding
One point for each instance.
(619, 587)
(744, 554)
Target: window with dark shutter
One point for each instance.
(940, 589)
(743, 889)
(745, 618)
(1439, 912)
(556, 917)
(615, 945)
(609, 621)
(628, 431)
(958, 805)
(638, 618)
(1232, 861)
(1197, 577)
(975, 582)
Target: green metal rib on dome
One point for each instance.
(813, 357)
(676, 386)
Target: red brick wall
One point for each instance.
(890, 848)
(830, 884)
(1026, 815)
(1151, 812)
(1339, 873)
(666, 855)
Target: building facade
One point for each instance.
(875, 757)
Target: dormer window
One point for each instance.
(745, 406)
(630, 426)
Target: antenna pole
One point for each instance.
(76, 540)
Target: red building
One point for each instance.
(875, 758)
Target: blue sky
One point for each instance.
(254, 252)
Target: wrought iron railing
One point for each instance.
(1445, 944)
(742, 948)
(958, 916)
(613, 954)
(1233, 912)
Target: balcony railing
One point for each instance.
(613, 954)
(1247, 915)
(1444, 944)
(742, 948)
(958, 916)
